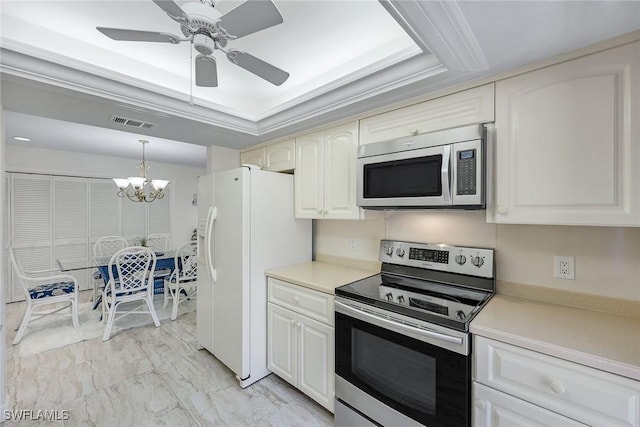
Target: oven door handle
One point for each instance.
(362, 315)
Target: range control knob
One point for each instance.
(477, 261)
(400, 252)
(400, 299)
(389, 296)
(388, 250)
(460, 315)
(461, 259)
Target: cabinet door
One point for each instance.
(309, 177)
(566, 142)
(492, 408)
(316, 361)
(281, 156)
(459, 109)
(282, 342)
(253, 157)
(340, 151)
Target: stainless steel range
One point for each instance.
(403, 350)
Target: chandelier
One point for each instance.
(140, 188)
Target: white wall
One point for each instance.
(607, 259)
(184, 179)
(221, 159)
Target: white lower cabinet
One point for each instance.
(492, 408)
(514, 384)
(300, 350)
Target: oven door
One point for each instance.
(395, 378)
(408, 178)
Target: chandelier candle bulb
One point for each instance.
(135, 188)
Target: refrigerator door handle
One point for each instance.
(213, 214)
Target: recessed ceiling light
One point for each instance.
(22, 138)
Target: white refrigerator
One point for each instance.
(246, 225)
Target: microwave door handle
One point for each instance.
(446, 175)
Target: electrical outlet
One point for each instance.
(565, 267)
(353, 243)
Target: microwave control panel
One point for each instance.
(466, 172)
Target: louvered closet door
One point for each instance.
(5, 241)
(160, 214)
(70, 220)
(104, 211)
(31, 225)
(132, 220)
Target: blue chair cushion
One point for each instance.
(172, 279)
(51, 290)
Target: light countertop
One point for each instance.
(321, 276)
(597, 339)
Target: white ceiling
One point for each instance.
(344, 57)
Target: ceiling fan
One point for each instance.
(209, 30)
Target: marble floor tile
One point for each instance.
(145, 376)
(144, 400)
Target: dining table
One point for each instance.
(165, 264)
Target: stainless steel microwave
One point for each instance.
(444, 169)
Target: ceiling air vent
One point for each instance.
(131, 122)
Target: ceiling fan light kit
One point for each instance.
(208, 30)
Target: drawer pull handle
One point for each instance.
(557, 387)
(480, 404)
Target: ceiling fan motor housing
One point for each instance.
(203, 44)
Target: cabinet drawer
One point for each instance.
(459, 109)
(313, 304)
(492, 408)
(585, 394)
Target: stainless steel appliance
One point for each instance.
(444, 169)
(403, 350)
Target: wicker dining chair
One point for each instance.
(130, 279)
(44, 287)
(181, 284)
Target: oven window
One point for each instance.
(412, 381)
(420, 380)
(416, 177)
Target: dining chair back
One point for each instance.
(105, 247)
(181, 284)
(158, 242)
(43, 287)
(131, 273)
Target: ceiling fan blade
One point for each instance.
(206, 71)
(138, 36)
(173, 10)
(257, 66)
(251, 16)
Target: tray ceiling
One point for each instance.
(345, 57)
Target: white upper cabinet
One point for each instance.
(325, 176)
(253, 157)
(281, 156)
(459, 109)
(276, 157)
(567, 146)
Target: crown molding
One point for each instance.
(355, 94)
(47, 72)
(439, 26)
